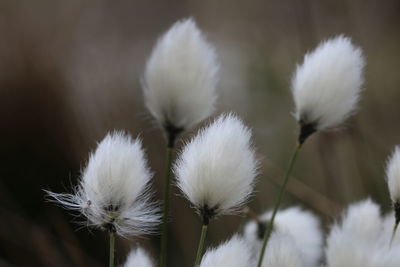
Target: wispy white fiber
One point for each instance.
(181, 76)
(217, 168)
(113, 192)
(327, 85)
(283, 251)
(139, 258)
(393, 175)
(302, 226)
(233, 253)
(361, 239)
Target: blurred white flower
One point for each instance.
(393, 175)
(217, 168)
(113, 192)
(360, 239)
(326, 86)
(302, 226)
(138, 258)
(180, 78)
(283, 251)
(233, 253)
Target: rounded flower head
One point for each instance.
(326, 86)
(217, 168)
(113, 193)
(180, 77)
(138, 258)
(393, 175)
(302, 226)
(233, 253)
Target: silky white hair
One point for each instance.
(302, 226)
(113, 192)
(283, 251)
(327, 85)
(393, 175)
(181, 76)
(232, 253)
(217, 168)
(138, 258)
(361, 239)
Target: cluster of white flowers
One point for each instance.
(216, 169)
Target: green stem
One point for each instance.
(268, 232)
(394, 233)
(112, 248)
(200, 248)
(166, 207)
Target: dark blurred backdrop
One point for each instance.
(70, 71)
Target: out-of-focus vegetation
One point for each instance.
(70, 71)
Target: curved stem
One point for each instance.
(166, 207)
(394, 232)
(200, 248)
(268, 232)
(112, 248)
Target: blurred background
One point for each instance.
(70, 72)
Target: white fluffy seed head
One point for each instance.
(114, 189)
(217, 168)
(233, 253)
(138, 258)
(393, 175)
(181, 76)
(326, 86)
(303, 226)
(283, 251)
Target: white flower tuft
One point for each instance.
(181, 76)
(233, 253)
(302, 226)
(393, 175)
(217, 168)
(283, 251)
(326, 86)
(113, 193)
(138, 258)
(361, 240)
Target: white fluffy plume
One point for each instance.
(113, 193)
(217, 168)
(326, 86)
(138, 258)
(302, 226)
(233, 253)
(361, 240)
(181, 76)
(283, 251)
(393, 175)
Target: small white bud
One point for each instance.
(233, 253)
(217, 168)
(180, 77)
(327, 85)
(393, 175)
(138, 258)
(113, 193)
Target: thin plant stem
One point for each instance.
(112, 248)
(200, 248)
(268, 232)
(166, 206)
(394, 233)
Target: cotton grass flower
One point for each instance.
(300, 225)
(138, 258)
(393, 180)
(180, 78)
(217, 168)
(327, 85)
(233, 253)
(113, 193)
